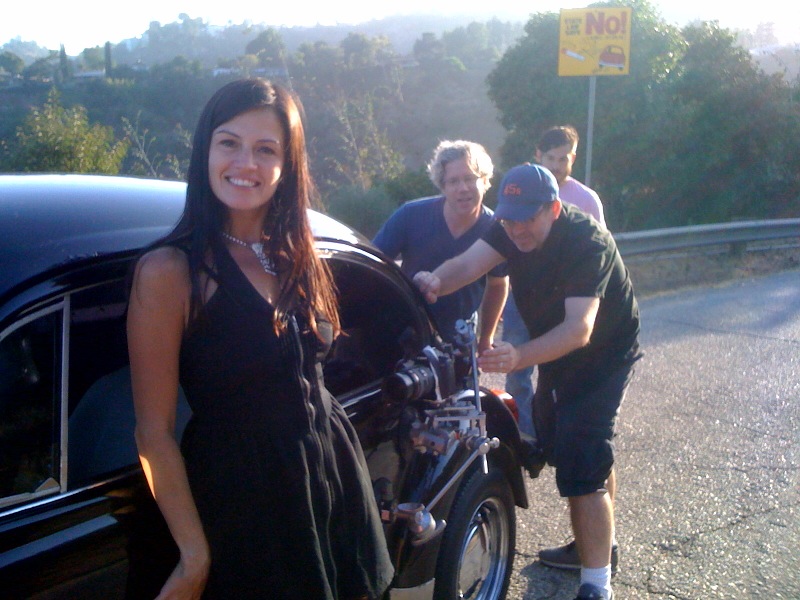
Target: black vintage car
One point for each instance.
(76, 516)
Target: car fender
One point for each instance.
(500, 423)
(428, 473)
(425, 477)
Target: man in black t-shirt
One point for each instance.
(575, 296)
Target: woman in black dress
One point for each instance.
(268, 495)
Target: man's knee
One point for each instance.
(592, 496)
(583, 464)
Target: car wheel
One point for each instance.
(477, 551)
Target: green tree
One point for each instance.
(445, 96)
(754, 139)
(64, 64)
(146, 161)
(11, 63)
(479, 44)
(175, 92)
(694, 134)
(362, 52)
(317, 67)
(364, 210)
(410, 184)
(703, 163)
(268, 46)
(108, 64)
(343, 89)
(368, 156)
(429, 50)
(93, 59)
(58, 139)
(42, 69)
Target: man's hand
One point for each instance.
(502, 358)
(429, 284)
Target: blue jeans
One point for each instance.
(519, 383)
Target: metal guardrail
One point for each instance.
(680, 238)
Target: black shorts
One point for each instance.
(576, 433)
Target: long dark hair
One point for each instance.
(307, 282)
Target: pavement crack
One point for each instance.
(679, 545)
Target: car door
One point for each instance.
(76, 517)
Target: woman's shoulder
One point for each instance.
(164, 260)
(165, 267)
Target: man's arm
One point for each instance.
(572, 333)
(494, 299)
(453, 274)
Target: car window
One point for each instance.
(101, 418)
(30, 408)
(379, 322)
(101, 415)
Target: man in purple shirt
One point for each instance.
(556, 152)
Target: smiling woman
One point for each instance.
(269, 489)
(245, 162)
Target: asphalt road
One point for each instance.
(708, 455)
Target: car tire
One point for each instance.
(477, 550)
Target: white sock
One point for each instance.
(600, 577)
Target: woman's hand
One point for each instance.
(187, 581)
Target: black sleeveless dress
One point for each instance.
(274, 465)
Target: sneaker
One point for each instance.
(589, 591)
(566, 557)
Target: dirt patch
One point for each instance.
(669, 272)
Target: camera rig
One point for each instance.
(455, 417)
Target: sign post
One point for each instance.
(592, 42)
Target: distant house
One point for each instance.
(222, 71)
(273, 72)
(101, 74)
(269, 72)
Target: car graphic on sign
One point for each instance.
(612, 56)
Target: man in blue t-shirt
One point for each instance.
(428, 231)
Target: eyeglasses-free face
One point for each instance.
(245, 160)
(558, 161)
(463, 190)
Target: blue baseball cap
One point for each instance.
(523, 191)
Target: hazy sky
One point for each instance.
(87, 23)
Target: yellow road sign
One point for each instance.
(594, 41)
